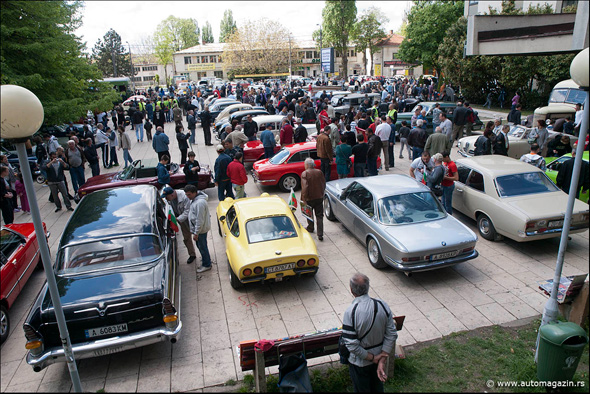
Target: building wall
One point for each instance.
(145, 73)
(481, 7)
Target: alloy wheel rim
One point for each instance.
(484, 226)
(3, 323)
(289, 182)
(373, 251)
(326, 208)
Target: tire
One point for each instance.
(288, 182)
(233, 279)
(4, 324)
(328, 213)
(486, 228)
(375, 254)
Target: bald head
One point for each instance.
(359, 284)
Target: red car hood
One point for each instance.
(100, 179)
(25, 229)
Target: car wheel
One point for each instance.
(328, 210)
(288, 182)
(233, 279)
(374, 254)
(486, 228)
(4, 324)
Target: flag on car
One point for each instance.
(293, 200)
(172, 220)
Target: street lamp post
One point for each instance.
(579, 73)
(132, 68)
(22, 116)
(321, 46)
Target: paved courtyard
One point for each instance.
(498, 287)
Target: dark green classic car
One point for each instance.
(445, 106)
(117, 274)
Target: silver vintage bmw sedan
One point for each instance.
(400, 221)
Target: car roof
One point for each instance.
(254, 207)
(497, 165)
(112, 212)
(268, 118)
(248, 111)
(361, 95)
(391, 184)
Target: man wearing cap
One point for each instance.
(180, 204)
(222, 180)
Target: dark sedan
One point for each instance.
(142, 173)
(447, 107)
(118, 280)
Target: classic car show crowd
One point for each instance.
(334, 142)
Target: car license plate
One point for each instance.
(277, 268)
(556, 223)
(444, 255)
(107, 330)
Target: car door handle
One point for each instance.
(459, 190)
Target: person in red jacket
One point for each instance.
(237, 174)
(286, 135)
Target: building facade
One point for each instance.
(148, 72)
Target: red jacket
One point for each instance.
(286, 136)
(237, 173)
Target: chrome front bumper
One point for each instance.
(427, 266)
(103, 347)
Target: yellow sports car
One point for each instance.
(264, 240)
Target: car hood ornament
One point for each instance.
(278, 252)
(443, 243)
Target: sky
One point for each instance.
(133, 20)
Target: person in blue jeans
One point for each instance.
(200, 223)
(222, 181)
(448, 182)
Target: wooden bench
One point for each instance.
(312, 345)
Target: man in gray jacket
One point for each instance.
(369, 333)
(200, 223)
(180, 204)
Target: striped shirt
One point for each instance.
(381, 337)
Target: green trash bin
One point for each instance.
(560, 346)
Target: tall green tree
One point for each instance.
(227, 26)
(207, 33)
(428, 21)
(338, 18)
(174, 34)
(367, 32)
(111, 57)
(39, 51)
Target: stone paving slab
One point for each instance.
(499, 286)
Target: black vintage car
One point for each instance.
(117, 274)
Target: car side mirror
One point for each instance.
(343, 196)
(222, 218)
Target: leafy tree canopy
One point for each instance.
(227, 26)
(428, 21)
(207, 33)
(40, 52)
(338, 18)
(368, 31)
(110, 50)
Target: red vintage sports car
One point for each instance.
(19, 255)
(284, 168)
(143, 172)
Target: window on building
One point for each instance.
(137, 69)
(213, 59)
(218, 74)
(148, 78)
(316, 54)
(204, 59)
(187, 60)
(136, 79)
(352, 53)
(150, 68)
(309, 54)
(219, 59)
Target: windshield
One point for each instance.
(522, 184)
(572, 96)
(518, 132)
(280, 157)
(127, 173)
(409, 208)
(269, 229)
(108, 253)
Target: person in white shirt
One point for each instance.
(446, 125)
(422, 164)
(578, 119)
(102, 142)
(497, 125)
(383, 130)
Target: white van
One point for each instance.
(562, 101)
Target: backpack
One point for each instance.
(342, 349)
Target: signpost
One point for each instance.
(327, 60)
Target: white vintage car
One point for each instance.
(517, 138)
(514, 199)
